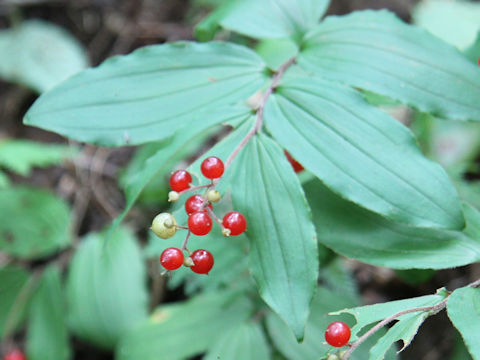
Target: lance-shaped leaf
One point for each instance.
(150, 93)
(265, 19)
(375, 51)
(358, 233)
(106, 289)
(172, 330)
(283, 253)
(361, 153)
(244, 341)
(464, 311)
(47, 337)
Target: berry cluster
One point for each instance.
(199, 209)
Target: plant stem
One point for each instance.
(212, 214)
(258, 123)
(194, 188)
(185, 242)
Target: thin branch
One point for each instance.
(194, 188)
(185, 242)
(434, 309)
(258, 123)
(212, 214)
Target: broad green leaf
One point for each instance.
(106, 289)
(21, 156)
(15, 289)
(40, 55)
(275, 52)
(38, 223)
(162, 162)
(149, 94)
(415, 276)
(314, 347)
(283, 254)
(245, 341)
(358, 233)
(361, 153)
(464, 311)
(460, 351)
(270, 19)
(375, 51)
(184, 329)
(47, 337)
(473, 52)
(455, 22)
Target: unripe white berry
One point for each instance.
(188, 262)
(213, 196)
(226, 232)
(164, 225)
(173, 196)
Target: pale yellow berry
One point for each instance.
(164, 225)
(188, 262)
(226, 232)
(213, 196)
(173, 196)
(342, 353)
(332, 357)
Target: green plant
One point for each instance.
(373, 195)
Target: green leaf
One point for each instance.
(361, 153)
(245, 341)
(275, 52)
(38, 225)
(358, 233)
(464, 311)
(40, 55)
(283, 254)
(460, 351)
(313, 347)
(21, 156)
(455, 22)
(106, 289)
(47, 337)
(174, 329)
(16, 288)
(375, 51)
(150, 94)
(404, 329)
(270, 19)
(161, 163)
(473, 52)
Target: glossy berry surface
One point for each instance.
(194, 203)
(171, 258)
(199, 223)
(203, 261)
(212, 167)
(235, 222)
(180, 180)
(297, 167)
(337, 334)
(14, 355)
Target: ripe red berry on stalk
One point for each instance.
(14, 355)
(171, 258)
(180, 180)
(212, 167)
(194, 203)
(337, 334)
(203, 261)
(297, 167)
(199, 223)
(235, 222)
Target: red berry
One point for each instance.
(15, 355)
(200, 223)
(212, 167)
(203, 261)
(235, 222)
(337, 334)
(194, 203)
(171, 258)
(297, 167)
(180, 180)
